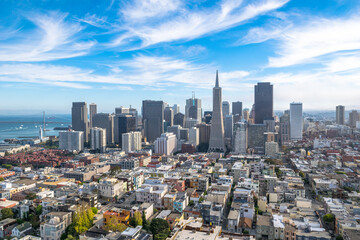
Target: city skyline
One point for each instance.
(119, 53)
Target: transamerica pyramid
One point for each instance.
(217, 143)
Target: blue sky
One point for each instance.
(117, 53)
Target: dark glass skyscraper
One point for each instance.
(153, 119)
(79, 118)
(237, 108)
(263, 102)
(125, 123)
(106, 121)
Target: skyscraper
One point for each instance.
(98, 139)
(217, 142)
(124, 123)
(193, 108)
(285, 127)
(240, 137)
(79, 117)
(106, 121)
(296, 121)
(246, 114)
(263, 102)
(225, 108)
(176, 108)
(179, 119)
(340, 115)
(256, 138)
(237, 108)
(153, 118)
(237, 111)
(93, 111)
(121, 110)
(229, 121)
(169, 116)
(353, 118)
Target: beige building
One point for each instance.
(110, 187)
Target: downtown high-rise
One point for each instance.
(340, 115)
(263, 102)
(153, 118)
(296, 121)
(79, 118)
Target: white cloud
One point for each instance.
(141, 70)
(54, 38)
(140, 10)
(316, 90)
(344, 62)
(190, 24)
(319, 37)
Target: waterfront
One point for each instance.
(28, 125)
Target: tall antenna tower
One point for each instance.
(44, 123)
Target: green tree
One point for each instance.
(136, 220)
(329, 217)
(191, 203)
(7, 213)
(339, 237)
(70, 237)
(7, 166)
(201, 199)
(2, 179)
(114, 226)
(38, 210)
(94, 210)
(301, 174)
(145, 222)
(159, 228)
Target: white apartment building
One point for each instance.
(71, 140)
(53, 229)
(131, 141)
(152, 193)
(166, 144)
(238, 171)
(110, 187)
(194, 136)
(98, 139)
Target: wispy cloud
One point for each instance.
(52, 38)
(307, 40)
(186, 24)
(141, 10)
(141, 70)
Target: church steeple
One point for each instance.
(217, 79)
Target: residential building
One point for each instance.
(98, 139)
(131, 141)
(71, 140)
(166, 144)
(52, 229)
(110, 187)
